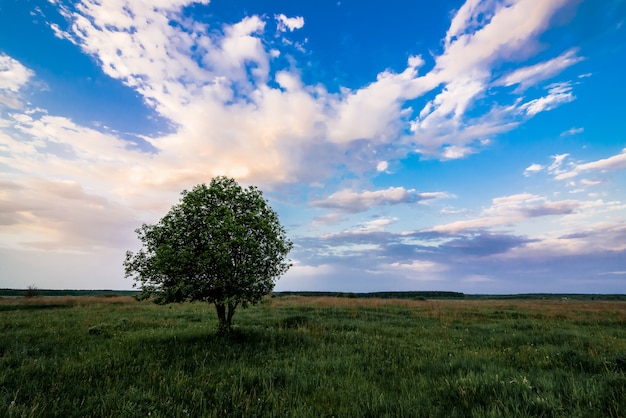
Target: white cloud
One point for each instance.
(118, 34)
(572, 131)
(529, 76)
(232, 114)
(382, 166)
(557, 163)
(13, 77)
(585, 182)
(373, 112)
(557, 94)
(289, 23)
(425, 270)
(615, 162)
(56, 215)
(415, 61)
(328, 219)
(482, 35)
(369, 228)
(452, 102)
(483, 32)
(454, 152)
(354, 202)
(587, 240)
(435, 195)
(466, 18)
(509, 210)
(533, 168)
(376, 225)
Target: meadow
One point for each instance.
(295, 356)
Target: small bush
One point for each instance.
(31, 292)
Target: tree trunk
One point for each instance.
(231, 312)
(225, 316)
(221, 317)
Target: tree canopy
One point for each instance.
(221, 244)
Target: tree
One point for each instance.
(220, 244)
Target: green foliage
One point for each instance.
(299, 359)
(221, 244)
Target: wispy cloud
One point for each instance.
(572, 131)
(532, 75)
(354, 202)
(509, 210)
(482, 35)
(615, 162)
(419, 269)
(557, 95)
(370, 230)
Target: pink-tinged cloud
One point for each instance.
(353, 202)
(510, 210)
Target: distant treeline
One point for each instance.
(456, 295)
(379, 295)
(416, 295)
(67, 292)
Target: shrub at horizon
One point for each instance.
(220, 244)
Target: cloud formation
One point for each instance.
(13, 76)
(557, 95)
(237, 104)
(532, 75)
(615, 162)
(479, 251)
(221, 83)
(508, 210)
(289, 23)
(354, 202)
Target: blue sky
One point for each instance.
(474, 146)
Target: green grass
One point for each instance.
(312, 357)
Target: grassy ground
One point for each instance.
(299, 357)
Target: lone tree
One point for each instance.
(220, 244)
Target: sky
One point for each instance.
(476, 146)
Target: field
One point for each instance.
(294, 356)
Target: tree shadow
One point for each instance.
(240, 342)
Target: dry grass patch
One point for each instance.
(453, 308)
(44, 301)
